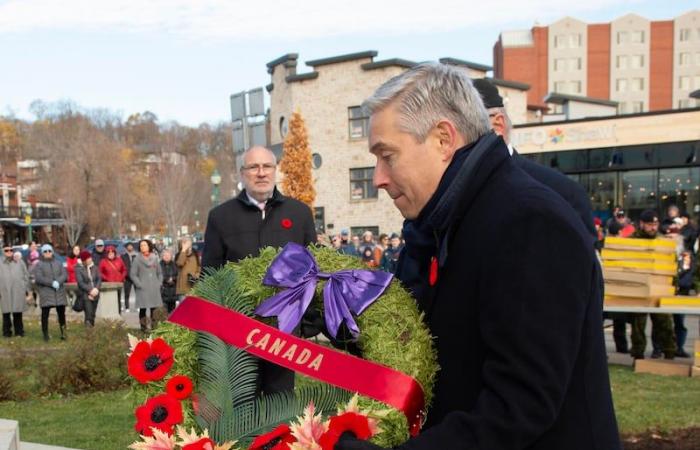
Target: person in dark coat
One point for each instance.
(128, 259)
(168, 290)
(89, 280)
(522, 359)
(99, 252)
(259, 217)
(569, 190)
(50, 277)
(390, 258)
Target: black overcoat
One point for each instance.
(516, 313)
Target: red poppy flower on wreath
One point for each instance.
(355, 423)
(150, 362)
(277, 439)
(202, 444)
(162, 412)
(286, 223)
(179, 386)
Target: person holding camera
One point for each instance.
(188, 267)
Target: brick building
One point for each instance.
(642, 65)
(329, 98)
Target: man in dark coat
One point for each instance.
(259, 217)
(522, 358)
(570, 190)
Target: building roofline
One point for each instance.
(301, 77)
(559, 99)
(469, 64)
(510, 84)
(393, 62)
(289, 58)
(615, 116)
(342, 58)
(695, 94)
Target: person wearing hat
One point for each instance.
(14, 284)
(89, 280)
(346, 245)
(661, 324)
(390, 258)
(567, 188)
(50, 277)
(99, 252)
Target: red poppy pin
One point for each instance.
(355, 423)
(277, 439)
(150, 361)
(286, 223)
(202, 444)
(162, 412)
(179, 386)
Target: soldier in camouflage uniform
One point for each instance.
(661, 324)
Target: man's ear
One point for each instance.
(447, 138)
(498, 123)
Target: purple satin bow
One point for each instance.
(345, 292)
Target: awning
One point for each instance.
(35, 222)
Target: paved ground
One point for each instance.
(691, 323)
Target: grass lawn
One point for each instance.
(99, 421)
(105, 421)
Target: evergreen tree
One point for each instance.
(296, 163)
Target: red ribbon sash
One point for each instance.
(325, 364)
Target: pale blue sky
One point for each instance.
(181, 59)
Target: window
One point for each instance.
(637, 107)
(683, 82)
(684, 34)
(637, 84)
(575, 64)
(560, 41)
(575, 87)
(358, 122)
(622, 62)
(320, 219)
(560, 86)
(639, 191)
(559, 64)
(622, 108)
(684, 59)
(621, 84)
(637, 37)
(621, 37)
(575, 41)
(361, 184)
(359, 231)
(637, 61)
(679, 187)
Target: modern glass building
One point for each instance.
(640, 161)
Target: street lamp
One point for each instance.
(28, 221)
(215, 182)
(114, 223)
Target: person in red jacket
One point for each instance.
(112, 270)
(72, 259)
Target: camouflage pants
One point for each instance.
(662, 328)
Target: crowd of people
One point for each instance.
(158, 278)
(668, 332)
(382, 253)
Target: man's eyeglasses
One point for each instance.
(7, 250)
(266, 168)
(47, 251)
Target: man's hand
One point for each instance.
(94, 292)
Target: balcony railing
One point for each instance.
(37, 213)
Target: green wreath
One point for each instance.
(392, 333)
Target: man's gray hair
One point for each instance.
(431, 92)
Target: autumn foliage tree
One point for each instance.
(296, 163)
